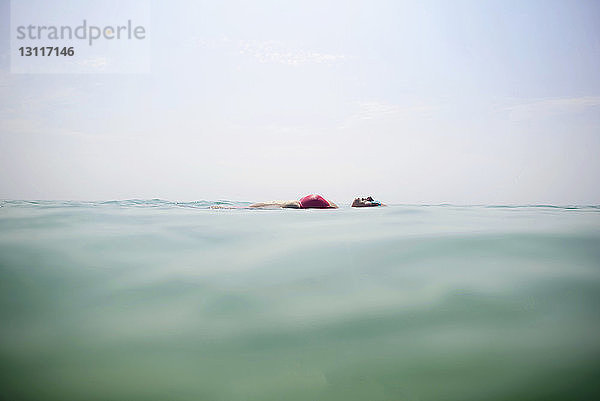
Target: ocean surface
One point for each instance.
(159, 300)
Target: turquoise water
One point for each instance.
(156, 300)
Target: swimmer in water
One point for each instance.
(366, 202)
(308, 202)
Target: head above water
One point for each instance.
(365, 202)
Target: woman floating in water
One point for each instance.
(315, 202)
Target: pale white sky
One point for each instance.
(463, 102)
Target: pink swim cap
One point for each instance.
(314, 202)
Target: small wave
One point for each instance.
(139, 203)
(204, 204)
(542, 206)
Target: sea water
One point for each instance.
(158, 300)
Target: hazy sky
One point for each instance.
(411, 102)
